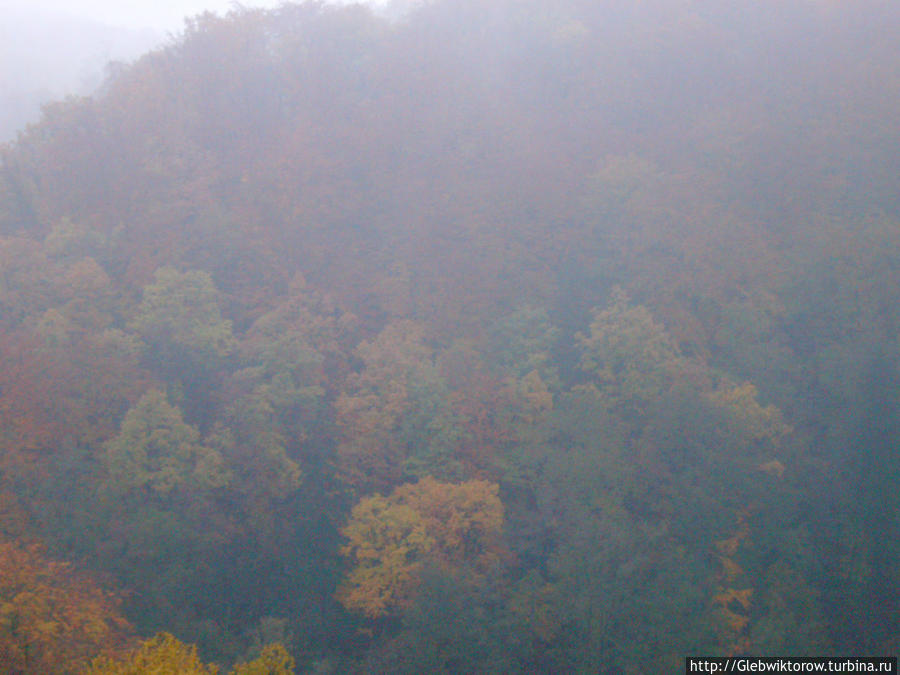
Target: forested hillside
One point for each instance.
(509, 336)
(46, 54)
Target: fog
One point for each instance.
(50, 49)
(161, 16)
(455, 337)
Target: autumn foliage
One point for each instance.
(53, 618)
(454, 337)
(391, 538)
(164, 654)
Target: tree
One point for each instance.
(764, 427)
(632, 357)
(180, 318)
(610, 577)
(790, 622)
(28, 280)
(731, 603)
(156, 449)
(373, 403)
(104, 381)
(464, 519)
(455, 624)
(288, 359)
(387, 543)
(429, 431)
(34, 416)
(390, 538)
(274, 660)
(53, 618)
(305, 321)
(522, 343)
(484, 407)
(163, 655)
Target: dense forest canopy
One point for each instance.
(509, 336)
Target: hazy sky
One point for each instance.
(161, 15)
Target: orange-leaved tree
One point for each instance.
(32, 407)
(369, 410)
(53, 619)
(388, 543)
(391, 538)
(731, 603)
(465, 519)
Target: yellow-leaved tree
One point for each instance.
(390, 539)
(763, 426)
(387, 542)
(164, 654)
(465, 519)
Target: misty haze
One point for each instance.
(456, 337)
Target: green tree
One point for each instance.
(274, 660)
(180, 318)
(523, 342)
(279, 392)
(430, 430)
(632, 357)
(455, 624)
(618, 577)
(156, 449)
(790, 621)
(373, 403)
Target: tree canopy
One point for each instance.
(464, 336)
